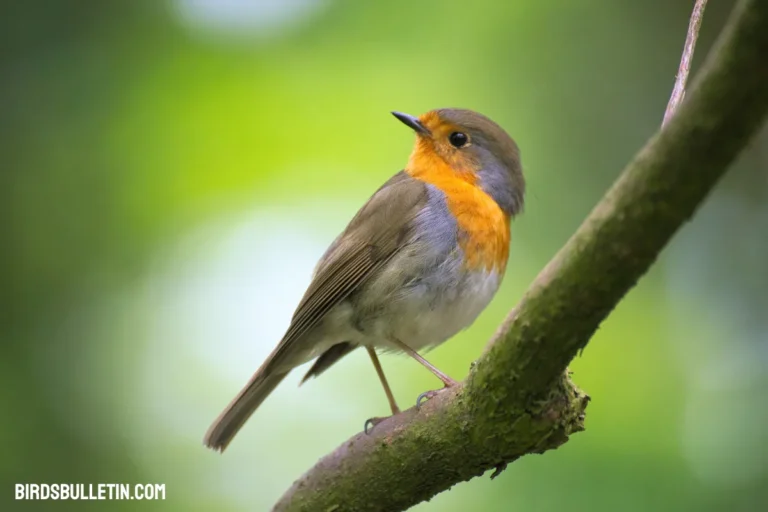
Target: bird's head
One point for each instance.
(473, 147)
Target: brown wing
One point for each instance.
(373, 236)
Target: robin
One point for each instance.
(417, 263)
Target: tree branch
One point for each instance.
(518, 398)
(678, 92)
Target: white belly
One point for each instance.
(426, 317)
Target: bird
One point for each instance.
(417, 264)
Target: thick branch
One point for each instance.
(517, 398)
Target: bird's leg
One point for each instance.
(372, 422)
(437, 373)
(447, 381)
(383, 379)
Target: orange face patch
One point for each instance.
(485, 227)
(438, 146)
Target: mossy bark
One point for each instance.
(518, 398)
(413, 456)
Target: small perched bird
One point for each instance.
(417, 263)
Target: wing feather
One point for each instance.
(374, 235)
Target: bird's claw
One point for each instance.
(370, 423)
(427, 395)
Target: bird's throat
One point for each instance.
(483, 227)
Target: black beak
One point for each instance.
(412, 122)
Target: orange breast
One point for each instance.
(484, 225)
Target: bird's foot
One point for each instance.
(370, 423)
(428, 395)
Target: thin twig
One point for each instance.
(678, 92)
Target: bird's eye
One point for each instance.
(458, 139)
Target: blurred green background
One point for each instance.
(171, 171)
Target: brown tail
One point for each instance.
(240, 409)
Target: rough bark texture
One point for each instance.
(518, 398)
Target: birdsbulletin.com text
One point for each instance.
(101, 491)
